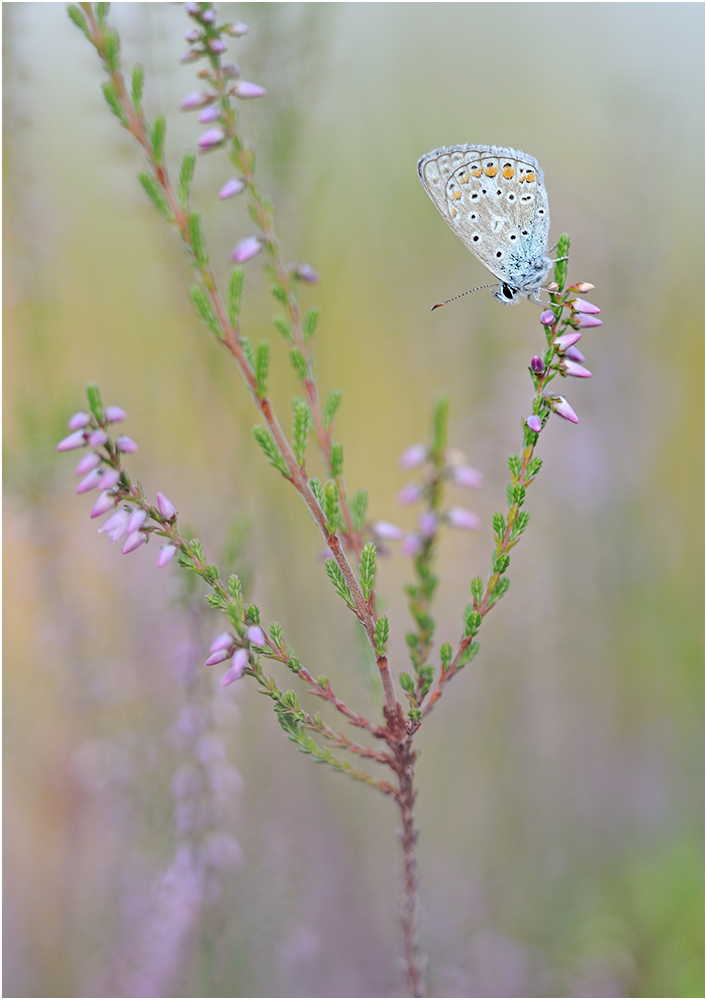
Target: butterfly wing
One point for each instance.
(494, 200)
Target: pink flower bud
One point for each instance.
(247, 91)
(166, 553)
(137, 519)
(231, 188)
(563, 409)
(246, 249)
(165, 507)
(209, 140)
(240, 662)
(189, 57)
(209, 16)
(222, 641)
(97, 438)
(134, 541)
(217, 657)
(427, 523)
(193, 8)
(577, 371)
(192, 36)
(116, 526)
(584, 286)
(585, 321)
(197, 99)
(216, 44)
(109, 479)
(547, 318)
(537, 365)
(237, 29)
(105, 502)
(567, 339)
(78, 421)
(460, 517)
(75, 440)
(411, 545)
(90, 482)
(413, 456)
(256, 636)
(574, 355)
(88, 462)
(582, 306)
(229, 69)
(208, 115)
(126, 444)
(410, 494)
(114, 414)
(305, 273)
(534, 423)
(464, 475)
(384, 529)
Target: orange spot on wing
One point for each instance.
(491, 171)
(456, 195)
(454, 212)
(465, 179)
(529, 177)
(508, 172)
(476, 173)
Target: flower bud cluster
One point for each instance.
(454, 470)
(563, 357)
(101, 469)
(227, 646)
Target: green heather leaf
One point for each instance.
(534, 466)
(336, 459)
(367, 568)
(202, 305)
(514, 464)
(318, 490)
(499, 524)
(309, 327)
(235, 294)
(235, 586)
(102, 13)
(248, 351)
(477, 589)
(158, 133)
(331, 407)
(380, 635)
(95, 403)
(468, 655)
(407, 683)
(301, 430)
(472, 621)
(279, 293)
(154, 193)
(499, 590)
(276, 634)
(359, 505)
(439, 431)
(270, 450)
(262, 366)
(76, 15)
(113, 101)
(283, 326)
(331, 505)
(137, 87)
(299, 362)
(445, 654)
(112, 49)
(197, 240)
(186, 176)
(337, 578)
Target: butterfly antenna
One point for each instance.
(439, 305)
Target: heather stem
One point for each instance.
(408, 840)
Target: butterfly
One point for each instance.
(494, 200)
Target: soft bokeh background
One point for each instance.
(560, 808)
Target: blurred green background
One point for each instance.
(560, 806)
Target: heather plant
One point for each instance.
(378, 752)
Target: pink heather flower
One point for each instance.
(582, 306)
(222, 641)
(208, 115)
(567, 340)
(114, 414)
(411, 545)
(413, 456)
(305, 272)
(240, 661)
(563, 409)
(547, 317)
(88, 462)
(116, 526)
(410, 494)
(78, 421)
(165, 507)
(126, 444)
(230, 69)
(209, 16)
(246, 90)
(97, 438)
(137, 519)
(231, 188)
(134, 541)
(166, 553)
(384, 529)
(217, 657)
(577, 371)
(192, 36)
(460, 517)
(537, 365)
(90, 482)
(586, 321)
(256, 636)
(574, 355)
(193, 8)
(105, 502)
(427, 523)
(189, 57)
(216, 44)
(197, 99)
(464, 475)
(109, 479)
(237, 29)
(214, 137)
(534, 423)
(75, 440)
(246, 249)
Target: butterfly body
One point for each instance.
(493, 198)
